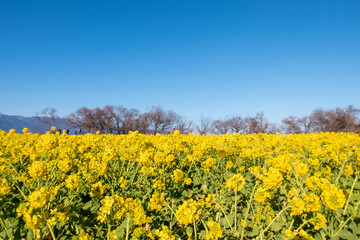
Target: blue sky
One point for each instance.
(197, 58)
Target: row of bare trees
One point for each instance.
(237, 124)
(121, 120)
(335, 120)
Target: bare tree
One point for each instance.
(159, 120)
(83, 118)
(123, 120)
(204, 126)
(236, 124)
(320, 120)
(184, 126)
(337, 120)
(221, 127)
(297, 125)
(47, 118)
(256, 124)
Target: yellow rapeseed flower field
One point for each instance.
(171, 187)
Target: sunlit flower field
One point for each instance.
(177, 186)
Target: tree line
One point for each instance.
(122, 120)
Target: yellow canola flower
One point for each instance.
(188, 181)
(298, 235)
(85, 237)
(188, 212)
(312, 202)
(349, 170)
(208, 163)
(98, 189)
(313, 183)
(142, 233)
(37, 169)
(165, 233)
(157, 201)
(261, 195)
(319, 222)
(4, 187)
(301, 169)
(236, 182)
(332, 197)
(293, 192)
(118, 207)
(298, 206)
(12, 131)
(112, 235)
(40, 198)
(158, 184)
(215, 230)
(65, 165)
(72, 182)
(51, 221)
(229, 164)
(123, 182)
(272, 179)
(178, 175)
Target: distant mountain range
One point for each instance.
(34, 124)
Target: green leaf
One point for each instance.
(276, 226)
(189, 230)
(354, 227)
(29, 235)
(87, 205)
(255, 231)
(3, 234)
(345, 234)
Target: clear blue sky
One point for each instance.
(210, 58)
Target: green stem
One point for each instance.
(2, 223)
(207, 230)
(227, 219)
(235, 208)
(51, 231)
(341, 227)
(25, 197)
(127, 229)
(341, 169)
(247, 212)
(170, 208)
(351, 192)
(262, 233)
(292, 222)
(108, 232)
(303, 224)
(195, 231)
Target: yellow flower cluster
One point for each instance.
(215, 230)
(236, 182)
(272, 178)
(4, 187)
(117, 207)
(208, 163)
(178, 175)
(38, 199)
(37, 169)
(176, 186)
(164, 234)
(72, 182)
(333, 197)
(98, 189)
(319, 222)
(157, 201)
(188, 212)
